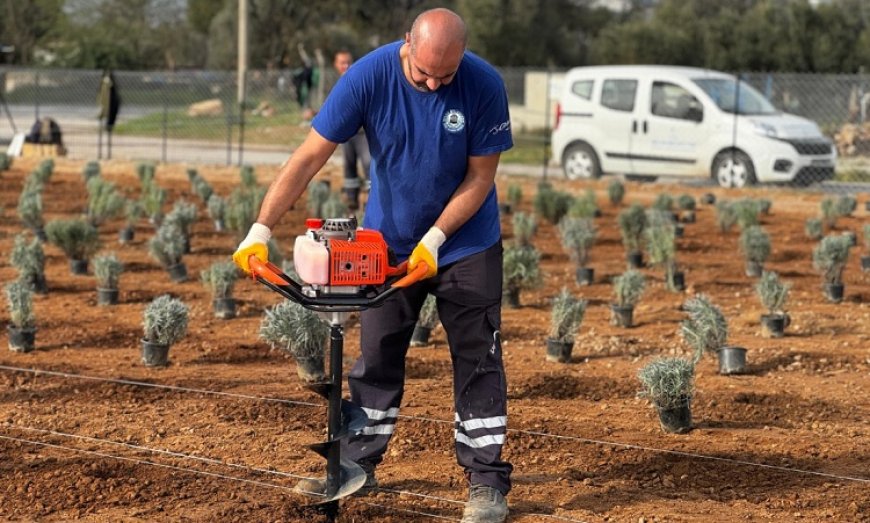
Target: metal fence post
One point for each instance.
(230, 133)
(165, 127)
(36, 99)
(243, 79)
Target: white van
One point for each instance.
(649, 121)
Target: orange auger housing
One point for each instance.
(361, 261)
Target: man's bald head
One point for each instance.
(439, 30)
(434, 49)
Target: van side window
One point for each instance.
(583, 89)
(618, 94)
(672, 101)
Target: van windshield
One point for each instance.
(724, 93)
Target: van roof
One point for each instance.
(673, 71)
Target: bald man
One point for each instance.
(436, 118)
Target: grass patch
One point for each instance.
(284, 129)
(852, 175)
(281, 129)
(531, 149)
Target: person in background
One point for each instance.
(355, 149)
(436, 118)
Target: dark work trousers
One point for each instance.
(357, 148)
(468, 297)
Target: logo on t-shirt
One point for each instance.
(453, 121)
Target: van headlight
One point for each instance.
(764, 129)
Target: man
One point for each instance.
(355, 147)
(436, 118)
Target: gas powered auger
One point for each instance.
(343, 269)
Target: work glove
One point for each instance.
(254, 243)
(427, 251)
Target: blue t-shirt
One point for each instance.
(420, 144)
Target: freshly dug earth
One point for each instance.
(787, 441)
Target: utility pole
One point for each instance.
(243, 72)
(243, 50)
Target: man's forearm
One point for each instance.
(470, 194)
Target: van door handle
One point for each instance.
(634, 127)
(644, 127)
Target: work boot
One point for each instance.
(485, 505)
(317, 486)
(371, 483)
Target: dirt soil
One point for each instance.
(787, 441)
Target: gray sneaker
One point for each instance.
(485, 505)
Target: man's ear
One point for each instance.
(408, 38)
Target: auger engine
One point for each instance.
(336, 257)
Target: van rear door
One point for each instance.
(669, 131)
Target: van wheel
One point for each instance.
(580, 161)
(733, 169)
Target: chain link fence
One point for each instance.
(194, 116)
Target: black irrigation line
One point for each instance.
(212, 461)
(204, 473)
(446, 422)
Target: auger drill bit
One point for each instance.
(344, 419)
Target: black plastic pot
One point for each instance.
(78, 267)
(155, 354)
(622, 316)
(677, 420)
(754, 269)
(504, 208)
(834, 292)
(865, 263)
(679, 280)
(178, 272)
(224, 308)
(853, 238)
(773, 325)
(39, 232)
(512, 296)
(708, 199)
(585, 275)
(40, 286)
(635, 260)
(21, 340)
(559, 351)
(420, 337)
(679, 230)
(732, 360)
(311, 370)
(126, 234)
(688, 217)
(107, 296)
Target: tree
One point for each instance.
(27, 25)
